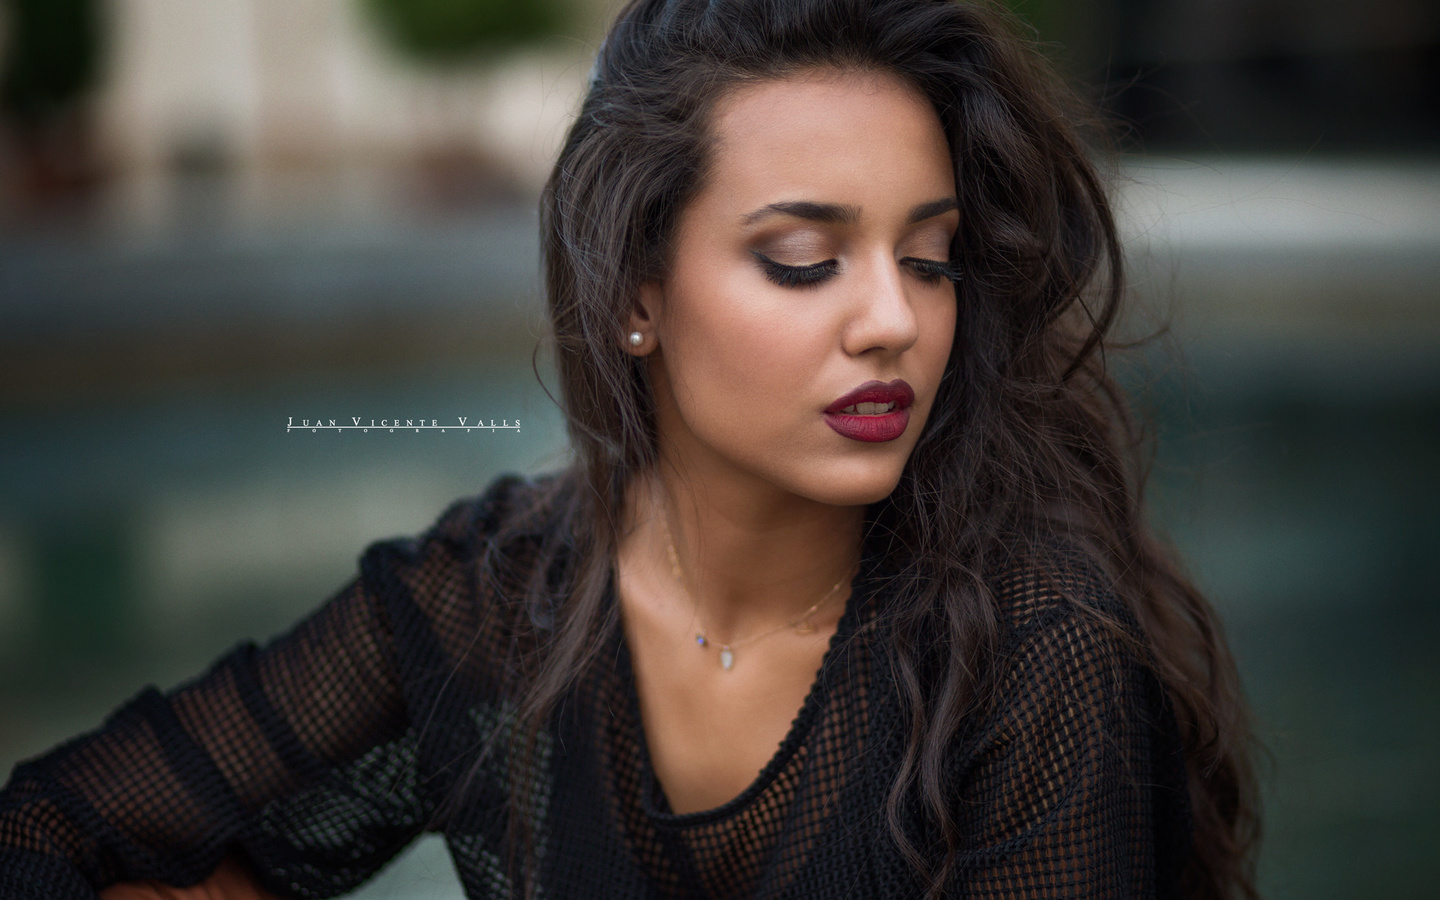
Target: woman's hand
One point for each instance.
(231, 881)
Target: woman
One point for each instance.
(848, 590)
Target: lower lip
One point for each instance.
(874, 429)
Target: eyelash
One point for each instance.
(930, 271)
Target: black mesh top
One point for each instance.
(319, 757)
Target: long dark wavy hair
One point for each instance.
(1029, 435)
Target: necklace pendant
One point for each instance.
(700, 639)
(727, 658)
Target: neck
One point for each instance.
(749, 560)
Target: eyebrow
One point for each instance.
(932, 209)
(840, 214)
(826, 213)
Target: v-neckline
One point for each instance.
(654, 802)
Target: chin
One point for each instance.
(853, 485)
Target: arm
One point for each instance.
(1074, 783)
(172, 782)
(231, 881)
(299, 758)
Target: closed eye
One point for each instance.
(932, 271)
(795, 276)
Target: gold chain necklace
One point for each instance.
(802, 625)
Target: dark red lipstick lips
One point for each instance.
(875, 427)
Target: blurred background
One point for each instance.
(218, 219)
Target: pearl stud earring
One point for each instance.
(636, 338)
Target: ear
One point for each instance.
(643, 317)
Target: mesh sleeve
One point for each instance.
(300, 757)
(1060, 798)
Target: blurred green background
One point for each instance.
(219, 218)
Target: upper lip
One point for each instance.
(896, 392)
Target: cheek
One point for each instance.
(937, 340)
(943, 327)
(709, 331)
(740, 355)
(738, 359)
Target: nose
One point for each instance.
(882, 317)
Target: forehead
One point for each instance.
(824, 132)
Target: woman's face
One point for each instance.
(798, 339)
